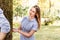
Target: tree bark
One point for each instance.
(7, 6)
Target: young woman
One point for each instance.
(30, 24)
(4, 25)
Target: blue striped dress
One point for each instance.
(28, 25)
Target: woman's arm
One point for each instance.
(26, 34)
(29, 34)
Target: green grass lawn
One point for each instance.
(45, 33)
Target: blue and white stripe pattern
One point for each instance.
(28, 25)
(4, 24)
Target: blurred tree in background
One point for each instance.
(6, 5)
(49, 8)
(18, 9)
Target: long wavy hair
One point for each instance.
(37, 16)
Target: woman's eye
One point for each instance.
(33, 11)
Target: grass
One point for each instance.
(45, 33)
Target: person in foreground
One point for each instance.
(4, 25)
(30, 24)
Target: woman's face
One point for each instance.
(32, 12)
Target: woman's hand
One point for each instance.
(15, 30)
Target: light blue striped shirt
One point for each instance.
(4, 24)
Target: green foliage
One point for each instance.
(21, 11)
(18, 9)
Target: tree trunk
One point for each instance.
(6, 5)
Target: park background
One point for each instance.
(50, 18)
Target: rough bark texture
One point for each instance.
(6, 5)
